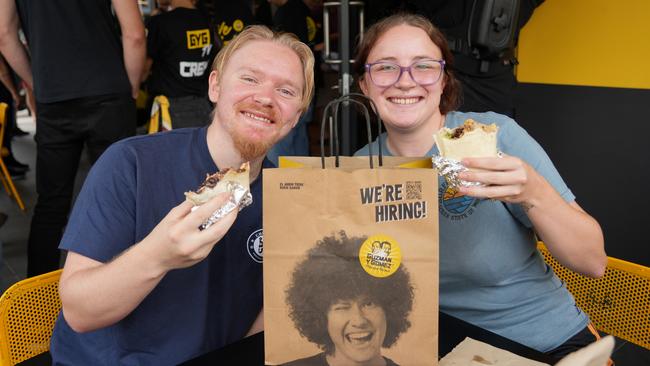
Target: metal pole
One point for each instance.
(344, 87)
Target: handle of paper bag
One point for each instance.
(334, 143)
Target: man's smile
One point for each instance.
(258, 117)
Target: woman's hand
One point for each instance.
(506, 178)
(572, 236)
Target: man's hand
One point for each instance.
(95, 295)
(30, 101)
(178, 238)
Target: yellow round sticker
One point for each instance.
(380, 256)
(238, 25)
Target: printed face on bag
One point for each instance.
(258, 95)
(357, 329)
(414, 97)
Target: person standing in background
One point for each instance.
(229, 19)
(262, 12)
(162, 6)
(292, 16)
(180, 48)
(85, 81)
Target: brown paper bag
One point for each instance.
(351, 262)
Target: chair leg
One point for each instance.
(4, 184)
(12, 187)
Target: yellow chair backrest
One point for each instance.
(617, 303)
(28, 310)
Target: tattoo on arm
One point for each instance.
(527, 206)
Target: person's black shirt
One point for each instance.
(75, 49)
(230, 18)
(181, 44)
(292, 17)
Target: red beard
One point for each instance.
(248, 149)
(251, 150)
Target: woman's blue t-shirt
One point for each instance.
(491, 273)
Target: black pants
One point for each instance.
(62, 131)
(582, 339)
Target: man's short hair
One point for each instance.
(263, 33)
(331, 272)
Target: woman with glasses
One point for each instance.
(491, 274)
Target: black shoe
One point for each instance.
(14, 165)
(18, 132)
(16, 174)
(17, 177)
(17, 169)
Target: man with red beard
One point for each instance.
(142, 284)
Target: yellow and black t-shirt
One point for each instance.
(181, 45)
(230, 18)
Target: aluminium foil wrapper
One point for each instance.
(449, 169)
(240, 198)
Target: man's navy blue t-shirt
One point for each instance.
(134, 184)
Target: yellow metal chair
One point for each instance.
(618, 303)
(28, 310)
(7, 182)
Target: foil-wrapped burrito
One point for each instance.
(471, 139)
(449, 169)
(240, 198)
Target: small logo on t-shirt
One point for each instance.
(453, 205)
(238, 25)
(255, 245)
(197, 38)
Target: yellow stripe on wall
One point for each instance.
(587, 42)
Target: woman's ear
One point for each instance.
(362, 84)
(443, 82)
(213, 86)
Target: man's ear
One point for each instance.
(213, 86)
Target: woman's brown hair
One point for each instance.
(451, 93)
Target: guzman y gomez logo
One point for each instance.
(255, 245)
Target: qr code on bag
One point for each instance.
(413, 190)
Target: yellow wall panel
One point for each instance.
(587, 42)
